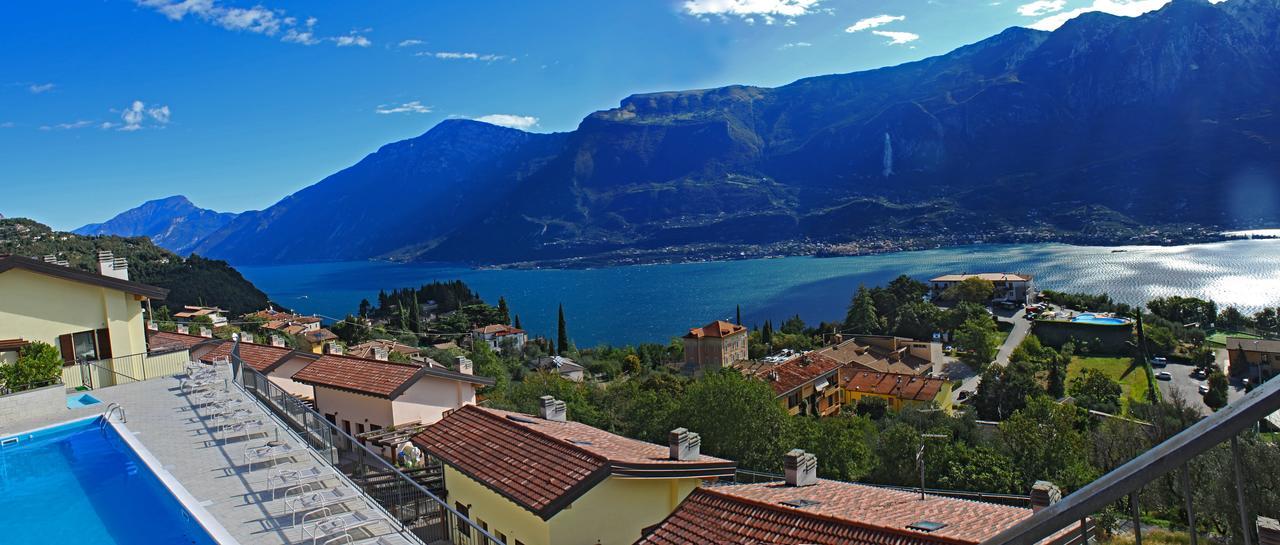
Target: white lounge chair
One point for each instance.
(284, 477)
(244, 427)
(333, 527)
(346, 539)
(266, 453)
(307, 499)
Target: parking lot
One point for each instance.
(1188, 387)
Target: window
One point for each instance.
(85, 347)
(331, 417)
(501, 536)
(793, 400)
(464, 529)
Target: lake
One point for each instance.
(652, 303)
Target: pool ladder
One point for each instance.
(113, 409)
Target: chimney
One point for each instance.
(206, 332)
(801, 468)
(380, 354)
(332, 347)
(277, 341)
(1044, 494)
(464, 365)
(838, 338)
(246, 338)
(1268, 531)
(685, 445)
(110, 265)
(552, 409)
(183, 329)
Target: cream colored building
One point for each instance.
(88, 316)
(545, 481)
(715, 345)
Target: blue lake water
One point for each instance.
(652, 303)
(80, 484)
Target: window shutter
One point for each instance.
(104, 344)
(68, 349)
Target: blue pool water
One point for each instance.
(80, 484)
(1100, 320)
(82, 400)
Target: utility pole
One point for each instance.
(920, 457)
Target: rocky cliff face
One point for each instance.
(1108, 122)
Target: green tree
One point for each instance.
(840, 443)
(918, 320)
(1005, 390)
(1232, 318)
(977, 339)
(562, 333)
(895, 453)
(862, 316)
(503, 310)
(516, 322)
(37, 363)
(1093, 389)
(970, 290)
(1216, 398)
(1044, 441)
(966, 467)
(793, 326)
(738, 418)
(738, 315)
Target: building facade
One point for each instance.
(899, 391)
(1252, 358)
(500, 337)
(715, 345)
(1010, 287)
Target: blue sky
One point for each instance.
(237, 103)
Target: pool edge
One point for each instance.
(202, 516)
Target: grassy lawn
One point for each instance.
(1133, 382)
(1219, 338)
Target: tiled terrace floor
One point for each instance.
(183, 439)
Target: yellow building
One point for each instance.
(88, 316)
(546, 481)
(899, 390)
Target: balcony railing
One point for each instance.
(125, 369)
(1172, 462)
(418, 511)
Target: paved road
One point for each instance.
(1185, 385)
(970, 379)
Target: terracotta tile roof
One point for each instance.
(797, 372)
(497, 330)
(169, 340)
(544, 465)
(902, 386)
(1253, 345)
(876, 358)
(366, 349)
(994, 277)
(262, 358)
(372, 377)
(846, 513)
(319, 335)
(718, 328)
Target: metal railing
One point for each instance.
(125, 369)
(1174, 454)
(418, 510)
(31, 385)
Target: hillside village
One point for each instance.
(965, 387)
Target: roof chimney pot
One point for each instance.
(1044, 494)
(685, 445)
(801, 468)
(551, 409)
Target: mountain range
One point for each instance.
(172, 223)
(1103, 130)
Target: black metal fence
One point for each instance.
(32, 385)
(418, 510)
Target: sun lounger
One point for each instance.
(335, 526)
(346, 539)
(305, 500)
(280, 477)
(245, 427)
(267, 453)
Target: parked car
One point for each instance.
(1204, 389)
(1159, 362)
(1164, 375)
(964, 396)
(1199, 374)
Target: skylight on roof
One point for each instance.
(927, 526)
(801, 503)
(524, 419)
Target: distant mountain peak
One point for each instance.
(173, 223)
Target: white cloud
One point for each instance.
(897, 38)
(134, 117)
(522, 122)
(352, 39)
(414, 107)
(37, 88)
(783, 8)
(7, 125)
(1041, 7)
(457, 55)
(407, 43)
(67, 126)
(256, 20)
(1126, 8)
(794, 44)
(873, 22)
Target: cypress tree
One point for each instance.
(562, 335)
(503, 311)
(517, 322)
(739, 316)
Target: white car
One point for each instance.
(1159, 362)
(1164, 375)
(1204, 389)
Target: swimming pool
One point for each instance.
(1091, 318)
(82, 483)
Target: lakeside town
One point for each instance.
(977, 393)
